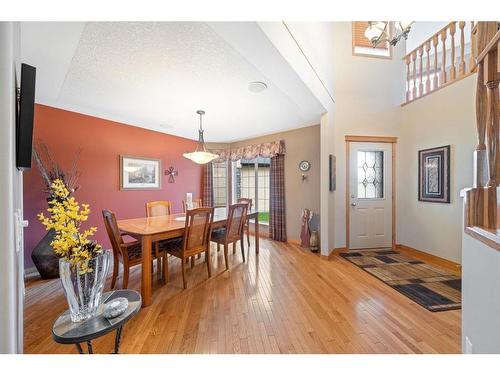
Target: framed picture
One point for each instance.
(137, 173)
(434, 175)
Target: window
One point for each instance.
(361, 46)
(220, 184)
(251, 180)
(370, 174)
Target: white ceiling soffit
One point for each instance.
(156, 75)
(310, 60)
(249, 41)
(50, 47)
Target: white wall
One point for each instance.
(307, 47)
(368, 95)
(315, 40)
(480, 300)
(11, 277)
(446, 117)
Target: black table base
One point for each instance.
(90, 350)
(118, 339)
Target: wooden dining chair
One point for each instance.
(158, 208)
(196, 240)
(197, 203)
(233, 232)
(128, 253)
(248, 201)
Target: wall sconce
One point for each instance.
(304, 177)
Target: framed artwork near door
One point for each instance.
(138, 173)
(434, 175)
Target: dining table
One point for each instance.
(157, 228)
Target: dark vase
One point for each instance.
(46, 262)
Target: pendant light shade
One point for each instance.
(200, 155)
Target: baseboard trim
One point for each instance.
(419, 254)
(31, 273)
(339, 250)
(425, 256)
(296, 242)
(334, 253)
(263, 230)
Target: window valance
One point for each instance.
(265, 150)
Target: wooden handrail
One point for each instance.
(429, 39)
(492, 44)
(422, 77)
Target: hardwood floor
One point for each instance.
(285, 300)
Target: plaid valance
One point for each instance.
(265, 150)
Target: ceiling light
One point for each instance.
(200, 155)
(257, 86)
(377, 32)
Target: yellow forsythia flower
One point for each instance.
(66, 217)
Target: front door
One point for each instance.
(370, 195)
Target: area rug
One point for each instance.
(430, 286)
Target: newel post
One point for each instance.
(480, 156)
(491, 80)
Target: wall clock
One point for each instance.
(304, 166)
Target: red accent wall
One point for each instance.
(103, 142)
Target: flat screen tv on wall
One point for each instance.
(25, 115)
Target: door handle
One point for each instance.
(354, 204)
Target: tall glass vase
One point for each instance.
(84, 290)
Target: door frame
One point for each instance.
(369, 139)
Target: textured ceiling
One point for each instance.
(156, 75)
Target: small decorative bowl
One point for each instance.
(115, 307)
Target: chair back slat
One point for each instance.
(158, 208)
(197, 203)
(112, 230)
(235, 221)
(248, 201)
(198, 229)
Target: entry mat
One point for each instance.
(430, 286)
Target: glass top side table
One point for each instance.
(65, 331)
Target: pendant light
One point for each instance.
(200, 155)
(378, 32)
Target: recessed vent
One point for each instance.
(257, 86)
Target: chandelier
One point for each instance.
(200, 155)
(378, 32)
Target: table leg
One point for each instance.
(89, 347)
(256, 221)
(118, 338)
(79, 348)
(146, 271)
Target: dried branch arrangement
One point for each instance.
(51, 171)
